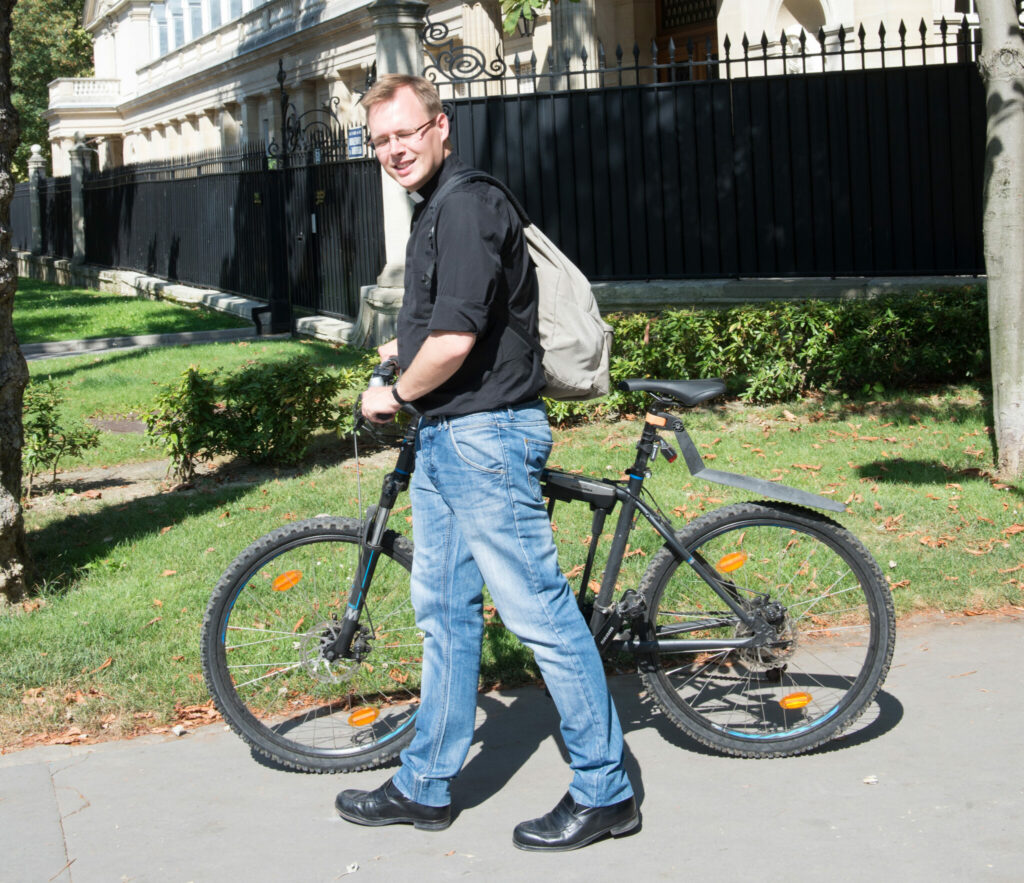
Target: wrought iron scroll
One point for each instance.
(458, 64)
(312, 131)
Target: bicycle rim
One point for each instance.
(272, 614)
(834, 641)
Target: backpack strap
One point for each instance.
(468, 176)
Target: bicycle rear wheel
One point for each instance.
(835, 638)
(267, 622)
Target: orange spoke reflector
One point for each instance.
(795, 700)
(655, 420)
(362, 716)
(286, 580)
(732, 561)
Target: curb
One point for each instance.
(53, 349)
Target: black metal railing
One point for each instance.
(21, 218)
(55, 217)
(462, 71)
(240, 222)
(856, 168)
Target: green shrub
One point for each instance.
(264, 412)
(49, 435)
(776, 351)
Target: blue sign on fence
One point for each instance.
(356, 142)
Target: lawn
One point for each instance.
(109, 642)
(113, 646)
(122, 385)
(44, 312)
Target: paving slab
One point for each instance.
(928, 789)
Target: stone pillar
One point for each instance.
(36, 171)
(480, 30)
(573, 30)
(77, 199)
(397, 25)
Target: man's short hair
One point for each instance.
(386, 87)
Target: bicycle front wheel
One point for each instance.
(834, 622)
(269, 620)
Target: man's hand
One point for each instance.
(379, 405)
(388, 350)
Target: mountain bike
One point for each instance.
(761, 629)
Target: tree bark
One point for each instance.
(13, 371)
(1002, 69)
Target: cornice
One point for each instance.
(95, 11)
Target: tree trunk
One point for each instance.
(13, 371)
(1002, 69)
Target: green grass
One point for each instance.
(44, 312)
(128, 582)
(123, 384)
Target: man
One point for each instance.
(478, 516)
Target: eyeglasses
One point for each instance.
(383, 143)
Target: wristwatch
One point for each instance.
(398, 398)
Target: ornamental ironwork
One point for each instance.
(316, 133)
(458, 63)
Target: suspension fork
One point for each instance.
(377, 516)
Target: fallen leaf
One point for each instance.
(153, 620)
(165, 529)
(168, 573)
(1013, 529)
(91, 495)
(106, 664)
(157, 602)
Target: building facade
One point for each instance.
(176, 77)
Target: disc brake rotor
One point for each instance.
(311, 649)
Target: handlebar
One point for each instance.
(383, 375)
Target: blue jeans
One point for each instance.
(478, 517)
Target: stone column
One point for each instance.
(77, 199)
(36, 171)
(573, 30)
(481, 31)
(397, 25)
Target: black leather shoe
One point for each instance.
(388, 806)
(571, 825)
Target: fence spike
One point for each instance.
(881, 34)
(903, 33)
(943, 28)
(618, 53)
(690, 47)
(654, 51)
(923, 29)
(784, 43)
(726, 45)
(821, 38)
(636, 53)
(745, 43)
(862, 35)
(803, 41)
(602, 59)
(584, 56)
(672, 50)
(764, 42)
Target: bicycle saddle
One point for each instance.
(686, 392)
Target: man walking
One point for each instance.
(478, 514)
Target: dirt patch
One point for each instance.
(124, 425)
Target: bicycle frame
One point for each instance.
(608, 618)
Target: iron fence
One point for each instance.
(21, 218)
(846, 160)
(245, 223)
(55, 217)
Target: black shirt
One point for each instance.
(482, 273)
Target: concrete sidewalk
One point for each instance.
(944, 743)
